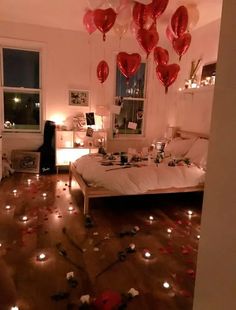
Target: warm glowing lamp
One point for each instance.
(102, 110)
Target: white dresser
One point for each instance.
(0, 157)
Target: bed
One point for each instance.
(105, 178)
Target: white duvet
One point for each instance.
(137, 180)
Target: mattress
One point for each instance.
(137, 178)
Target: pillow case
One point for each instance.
(198, 153)
(178, 147)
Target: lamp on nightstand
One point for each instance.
(102, 110)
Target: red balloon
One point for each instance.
(182, 44)
(140, 14)
(156, 8)
(161, 56)
(128, 64)
(167, 74)
(89, 22)
(104, 20)
(148, 39)
(102, 71)
(179, 21)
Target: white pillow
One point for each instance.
(198, 153)
(179, 147)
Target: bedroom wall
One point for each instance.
(191, 110)
(69, 62)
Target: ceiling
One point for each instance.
(68, 14)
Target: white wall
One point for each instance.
(70, 59)
(216, 273)
(191, 110)
(69, 62)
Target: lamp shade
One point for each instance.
(102, 110)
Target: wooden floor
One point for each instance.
(70, 246)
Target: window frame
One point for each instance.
(20, 89)
(144, 99)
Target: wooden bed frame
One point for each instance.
(90, 192)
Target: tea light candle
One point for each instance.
(166, 285)
(0, 245)
(29, 181)
(14, 192)
(41, 257)
(7, 207)
(169, 230)
(44, 195)
(24, 218)
(151, 218)
(190, 212)
(147, 254)
(198, 236)
(14, 308)
(37, 176)
(70, 208)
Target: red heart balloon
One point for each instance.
(104, 20)
(148, 39)
(167, 74)
(179, 21)
(182, 44)
(156, 8)
(140, 14)
(161, 56)
(102, 71)
(88, 21)
(128, 64)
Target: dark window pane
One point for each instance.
(20, 68)
(131, 113)
(135, 86)
(21, 110)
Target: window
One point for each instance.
(21, 90)
(130, 97)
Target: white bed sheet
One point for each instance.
(137, 180)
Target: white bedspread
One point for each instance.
(137, 180)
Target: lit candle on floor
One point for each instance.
(37, 176)
(14, 192)
(190, 213)
(151, 219)
(24, 218)
(166, 285)
(198, 236)
(15, 308)
(169, 230)
(70, 209)
(44, 195)
(41, 257)
(7, 207)
(147, 254)
(29, 181)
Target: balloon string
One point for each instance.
(90, 66)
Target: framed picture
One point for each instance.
(79, 98)
(24, 161)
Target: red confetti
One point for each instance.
(191, 272)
